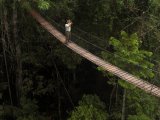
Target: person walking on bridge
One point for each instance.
(68, 26)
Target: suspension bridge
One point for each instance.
(139, 83)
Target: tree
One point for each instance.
(128, 56)
(90, 108)
(138, 117)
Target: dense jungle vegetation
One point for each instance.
(41, 79)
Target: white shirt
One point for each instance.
(68, 27)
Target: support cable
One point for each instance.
(61, 80)
(96, 46)
(93, 58)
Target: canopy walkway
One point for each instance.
(142, 84)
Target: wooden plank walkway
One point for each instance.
(142, 84)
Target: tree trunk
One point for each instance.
(123, 105)
(58, 93)
(110, 103)
(59, 100)
(114, 5)
(4, 46)
(18, 53)
(125, 2)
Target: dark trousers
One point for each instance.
(68, 36)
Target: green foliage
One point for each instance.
(29, 110)
(25, 4)
(155, 3)
(138, 117)
(125, 84)
(90, 108)
(69, 58)
(141, 103)
(43, 4)
(127, 51)
(129, 57)
(29, 107)
(128, 54)
(5, 112)
(1, 2)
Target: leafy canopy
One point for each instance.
(90, 108)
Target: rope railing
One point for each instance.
(144, 85)
(93, 38)
(97, 50)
